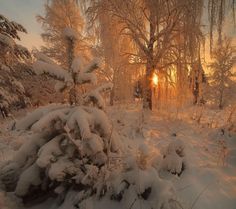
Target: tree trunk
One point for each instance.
(147, 97)
(114, 81)
(112, 94)
(70, 53)
(221, 100)
(221, 89)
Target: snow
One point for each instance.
(83, 120)
(29, 177)
(100, 120)
(95, 96)
(47, 120)
(22, 52)
(7, 41)
(19, 86)
(208, 180)
(203, 176)
(49, 151)
(77, 65)
(86, 78)
(100, 158)
(105, 87)
(11, 89)
(93, 145)
(7, 97)
(41, 67)
(42, 57)
(59, 86)
(21, 48)
(27, 151)
(93, 65)
(91, 176)
(60, 168)
(85, 73)
(26, 122)
(173, 163)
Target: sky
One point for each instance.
(24, 12)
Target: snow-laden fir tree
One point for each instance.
(8, 34)
(222, 82)
(75, 155)
(11, 90)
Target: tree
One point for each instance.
(75, 153)
(59, 15)
(167, 34)
(69, 80)
(224, 59)
(115, 49)
(11, 90)
(217, 9)
(8, 34)
(153, 26)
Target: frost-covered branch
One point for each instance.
(41, 67)
(95, 97)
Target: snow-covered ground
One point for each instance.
(209, 179)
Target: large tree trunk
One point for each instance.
(147, 97)
(197, 81)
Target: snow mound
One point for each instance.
(173, 159)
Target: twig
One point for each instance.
(70, 137)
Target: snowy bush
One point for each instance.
(75, 153)
(78, 156)
(70, 143)
(173, 159)
(9, 201)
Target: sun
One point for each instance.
(155, 79)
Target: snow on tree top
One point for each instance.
(93, 65)
(41, 67)
(77, 65)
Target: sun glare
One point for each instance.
(155, 79)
